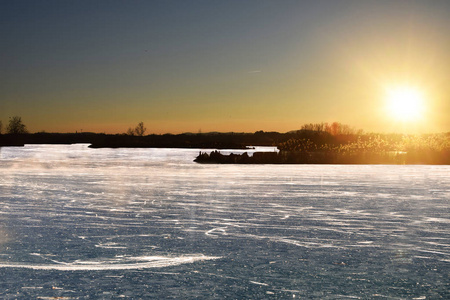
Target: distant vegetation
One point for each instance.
(139, 130)
(356, 141)
(15, 126)
(341, 144)
(312, 143)
(371, 148)
(334, 128)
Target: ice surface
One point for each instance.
(149, 223)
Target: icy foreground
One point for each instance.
(149, 223)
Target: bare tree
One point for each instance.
(319, 127)
(16, 126)
(140, 129)
(130, 131)
(1, 127)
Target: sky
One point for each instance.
(202, 66)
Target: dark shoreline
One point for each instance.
(212, 140)
(297, 147)
(202, 141)
(323, 157)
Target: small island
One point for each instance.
(323, 157)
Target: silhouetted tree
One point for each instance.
(130, 131)
(319, 127)
(337, 128)
(140, 129)
(16, 126)
(1, 127)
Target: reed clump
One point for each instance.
(371, 149)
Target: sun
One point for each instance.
(405, 103)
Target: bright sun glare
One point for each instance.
(405, 103)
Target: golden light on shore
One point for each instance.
(405, 103)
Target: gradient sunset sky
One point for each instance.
(243, 66)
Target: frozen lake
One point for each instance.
(83, 223)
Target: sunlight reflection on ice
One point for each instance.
(143, 262)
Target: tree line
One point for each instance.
(16, 126)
